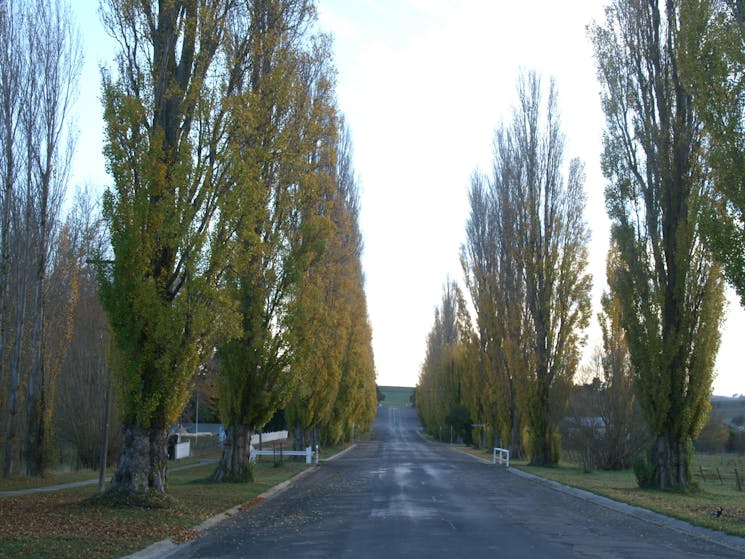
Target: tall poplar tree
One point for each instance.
(167, 148)
(493, 280)
(325, 302)
(440, 386)
(550, 253)
(355, 406)
(271, 222)
(669, 288)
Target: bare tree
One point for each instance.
(47, 51)
(527, 269)
(77, 320)
(11, 76)
(58, 60)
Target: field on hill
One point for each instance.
(728, 408)
(396, 395)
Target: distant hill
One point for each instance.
(728, 408)
(396, 395)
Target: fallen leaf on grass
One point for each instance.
(185, 535)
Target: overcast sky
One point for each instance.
(423, 84)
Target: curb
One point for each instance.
(165, 548)
(340, 453)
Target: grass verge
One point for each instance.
(71, 523)
(19, 483)
(709, 492)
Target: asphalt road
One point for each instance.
(400, 496)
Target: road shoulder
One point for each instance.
(731, 542)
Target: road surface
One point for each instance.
(400, 496)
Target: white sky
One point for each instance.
(423, 84)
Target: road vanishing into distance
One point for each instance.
(401, 496)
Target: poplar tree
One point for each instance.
(273, 228)
(325, 303)
(670, 289)
(489, 266)
(441, 378)
(355, 406)
(168, 148)
(550, 238)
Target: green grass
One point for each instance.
(72, 523)
(396, 395)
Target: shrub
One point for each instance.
(644, 472)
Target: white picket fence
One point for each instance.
(311, 455)
(503, 454)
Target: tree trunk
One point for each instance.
(143, 462)
(541, 433)
(35, 404)
(298, 438)
(515, 446)
(670, 458)
(234, 464)
(541, 447)
(14, 365)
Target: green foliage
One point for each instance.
(644, 472)
(161, 292)
(670, 291)
(273, 221)
(439, 389)
(460, 420)
(332, 337)
(713, 69)
(714, 436)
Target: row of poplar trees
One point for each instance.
(233, 229)
(524, 261)
(671, 74)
